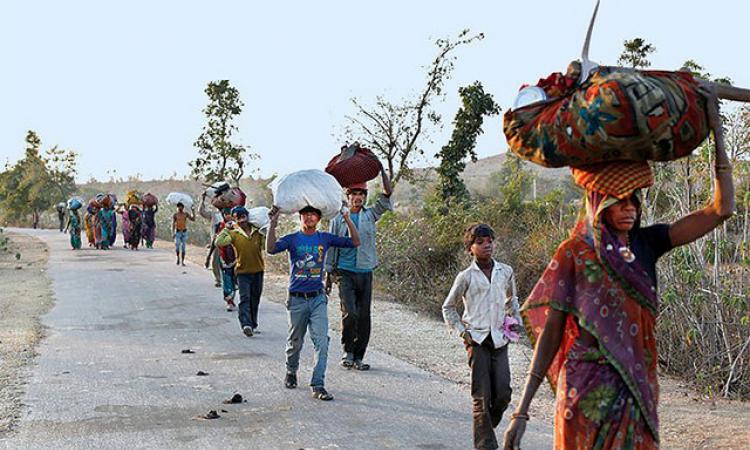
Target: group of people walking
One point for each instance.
(345, 255)
(591, 316)
(99, 222)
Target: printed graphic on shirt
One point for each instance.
(309, 263)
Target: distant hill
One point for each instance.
(478, 177)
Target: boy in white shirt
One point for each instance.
(485, 329)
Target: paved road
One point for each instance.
(111, 373)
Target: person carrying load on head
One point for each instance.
(248, 243)
(592, 314)
(74, 228)
(89, 222)
(228, 259)
(60, 207)
(149, 224)
(180, 231)
(135, 220)
(307, 302)
(353, 269)
(105, 218)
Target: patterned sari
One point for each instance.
(105, 218)
(606, 387)
(149, 226)
(89, 222)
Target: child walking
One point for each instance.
(227, 259)
(486, 329)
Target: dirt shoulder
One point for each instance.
(689, 420)
(26, 295)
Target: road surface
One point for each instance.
(110, 373)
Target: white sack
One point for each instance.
(258, 217)
(178, 197)
(308, 188)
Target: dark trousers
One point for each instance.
(490, 390)
(251, 287)
(355, 292)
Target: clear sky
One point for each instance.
(122, 82)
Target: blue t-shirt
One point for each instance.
(306, 256)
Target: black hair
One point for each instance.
(476, 230)
(311, 209)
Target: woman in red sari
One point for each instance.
(592, 314)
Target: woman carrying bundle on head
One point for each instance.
(74, 228)
(89, 222)
(592, 314)
(135, 221)
(105, 218)
(148, 228)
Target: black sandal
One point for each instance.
(359, 365)
(290, 382)
(321, 394)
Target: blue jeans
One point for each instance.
(228, 281)
(180, 241)
(251, 286)
(309, 314)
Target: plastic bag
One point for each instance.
(258, 217)
(354, 165)
(308, 188)
(229, 198)
(178, 197)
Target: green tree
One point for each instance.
(514, 181)
(219, 158)
(699, 71)
(396, 131)
(467, 127)
(26, 187)
(636, 53)
(62, 168)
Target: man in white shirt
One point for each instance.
(483, 287)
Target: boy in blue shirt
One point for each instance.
(307, 302)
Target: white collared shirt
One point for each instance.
(485, 303)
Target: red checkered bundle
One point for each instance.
(618, 178)
(354, 165)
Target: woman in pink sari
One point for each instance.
(592, 314)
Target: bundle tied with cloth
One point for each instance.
(133, 198)
(595, 114)
(354, 166)
(150, 199)
(222, 195)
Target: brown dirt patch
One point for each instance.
(26, 295)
